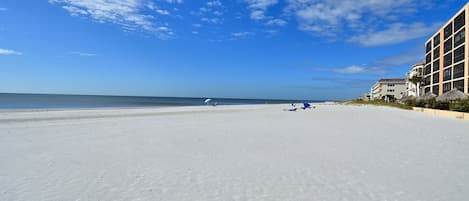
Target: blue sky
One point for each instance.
(287, 49)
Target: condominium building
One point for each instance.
(446, 61)
(413, 89)
(388, 89)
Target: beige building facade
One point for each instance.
(446, 60)
(389, 89)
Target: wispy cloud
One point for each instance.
(335, 18)
(174, 1)
(395, 33)
(277, 22)
(129, 14)
(242, 34)
(349, 82)
(214, 3)
(319, 16)
(162, 12)
(9, 52)
(213, 20)
(83, 54)
(3, 9)
(380, 66)
(351, 69)
(408, 57)
(362, 69)
(258, 10)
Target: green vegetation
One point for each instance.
(459, 105)
(380, 103)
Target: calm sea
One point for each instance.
(47, 101)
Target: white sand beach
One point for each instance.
(254, 152)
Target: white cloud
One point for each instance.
(214, 3)
(395, 33)
(213, 20)
(162, 12)
(408, 57)
(242, 34)
(3, 9)
(174, 1)
(259, 8)
(331, 17)
(83, 54)
(277, 22)
(127, 13)
(217, 13)
(362, 69)
(384, 65)
(350, 70)
(9, 52)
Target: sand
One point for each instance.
(258, 152)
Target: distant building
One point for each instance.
(446, 56)
(414, 89)
(364, 97)
(389, 89)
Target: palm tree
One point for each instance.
(417, 80)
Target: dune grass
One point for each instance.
(379, 103)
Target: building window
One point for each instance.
(458, 71)
(429, 46)
(390, 90)
(391, 85)
(448, 30)
(459, 38)
(436, 40)
(448, 46)
(436, 65)
(447, 74)
(448, 60)
(436, 53)
(429, 58)
(459, 54)
(459, 85)
(459, 21)
(428, 69)
(436, 89)
(427, 89)
(436, 78)
(427, 80)
(446, 87)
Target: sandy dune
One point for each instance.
(333, 153)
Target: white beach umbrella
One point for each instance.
(207, 100)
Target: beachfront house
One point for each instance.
(364, 97)
(413, 87)
(389, 89)
(446, 56)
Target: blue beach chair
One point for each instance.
(306, 106)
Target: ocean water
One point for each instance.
(49, 101)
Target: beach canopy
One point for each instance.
(427, 96)
(207, 100)
(452, 95)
